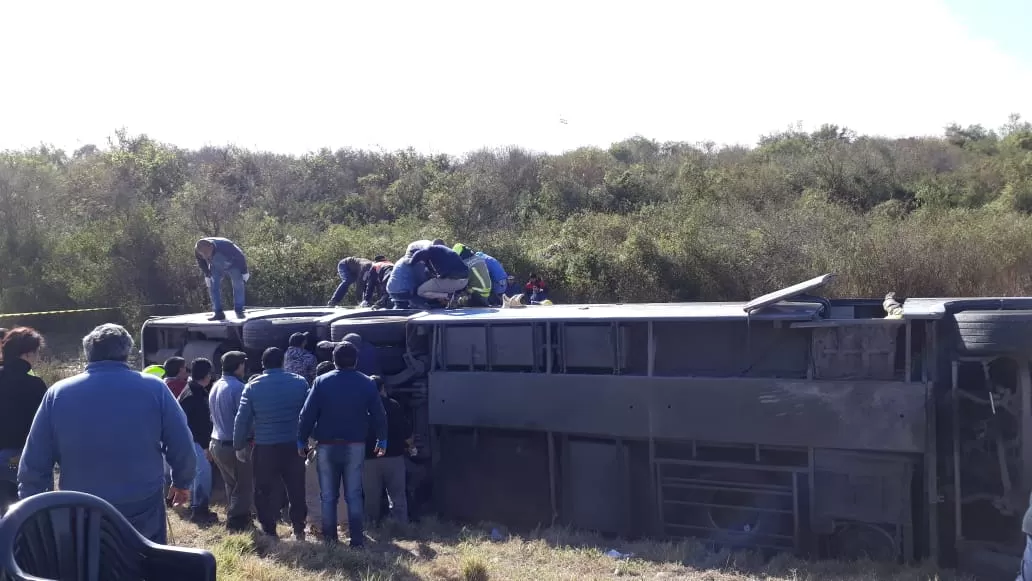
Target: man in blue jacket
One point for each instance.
(110, 429)
(403, 282)
(271, 405)
(449, 274)
(217, 257)
(337, 414)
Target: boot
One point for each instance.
(217, 316)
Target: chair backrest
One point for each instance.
(66, 535)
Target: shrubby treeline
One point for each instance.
(639, 221)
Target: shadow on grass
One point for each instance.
(375, 562)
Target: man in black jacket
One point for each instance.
(387, 471)
(194, 401)
(20, 396)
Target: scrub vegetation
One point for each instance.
(638, 221)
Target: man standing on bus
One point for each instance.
(217, 257)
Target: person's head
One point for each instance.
(533, 277)
(323, 368)
(200, 371)
(463, 251)
(175, 368)
(345, 356)
(510, 279)
(298, 340)
(439, 242)
(381, 385)
(379, 258)
(272, 358)
(21, 343)
(108, 342)
(234, 363)
(355, 339)
(205, 248)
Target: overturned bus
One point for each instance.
(791, 422)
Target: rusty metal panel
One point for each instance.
(464, 346)
(859, 415)
(511, 345)
(855, 351)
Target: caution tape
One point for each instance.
(69, 311)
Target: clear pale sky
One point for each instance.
(455, 75)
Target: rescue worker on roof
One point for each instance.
(351, 270)
(449, 274)
(421, 244)
(376, 280)
(535, 291)
(479, 286)
(403, 283)
(499, 278)
(217, 257)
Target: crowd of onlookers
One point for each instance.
(145, 443)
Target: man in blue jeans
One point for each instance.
(337, 414)
(217, 257)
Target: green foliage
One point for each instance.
(639, 221)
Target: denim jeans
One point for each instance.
(1025, 570)
(200, 488)
(345, 283)
(220, 267)
(341, 463)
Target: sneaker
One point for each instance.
(240, 314)
(219, 316)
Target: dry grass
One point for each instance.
(441, 552)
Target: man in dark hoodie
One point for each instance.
(449, 273)
(351, 270)
(376, 281)
(217, 257)
(194, 401)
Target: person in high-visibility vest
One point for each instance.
(479, 286)
(155, 370)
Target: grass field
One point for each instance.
(438, 551)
